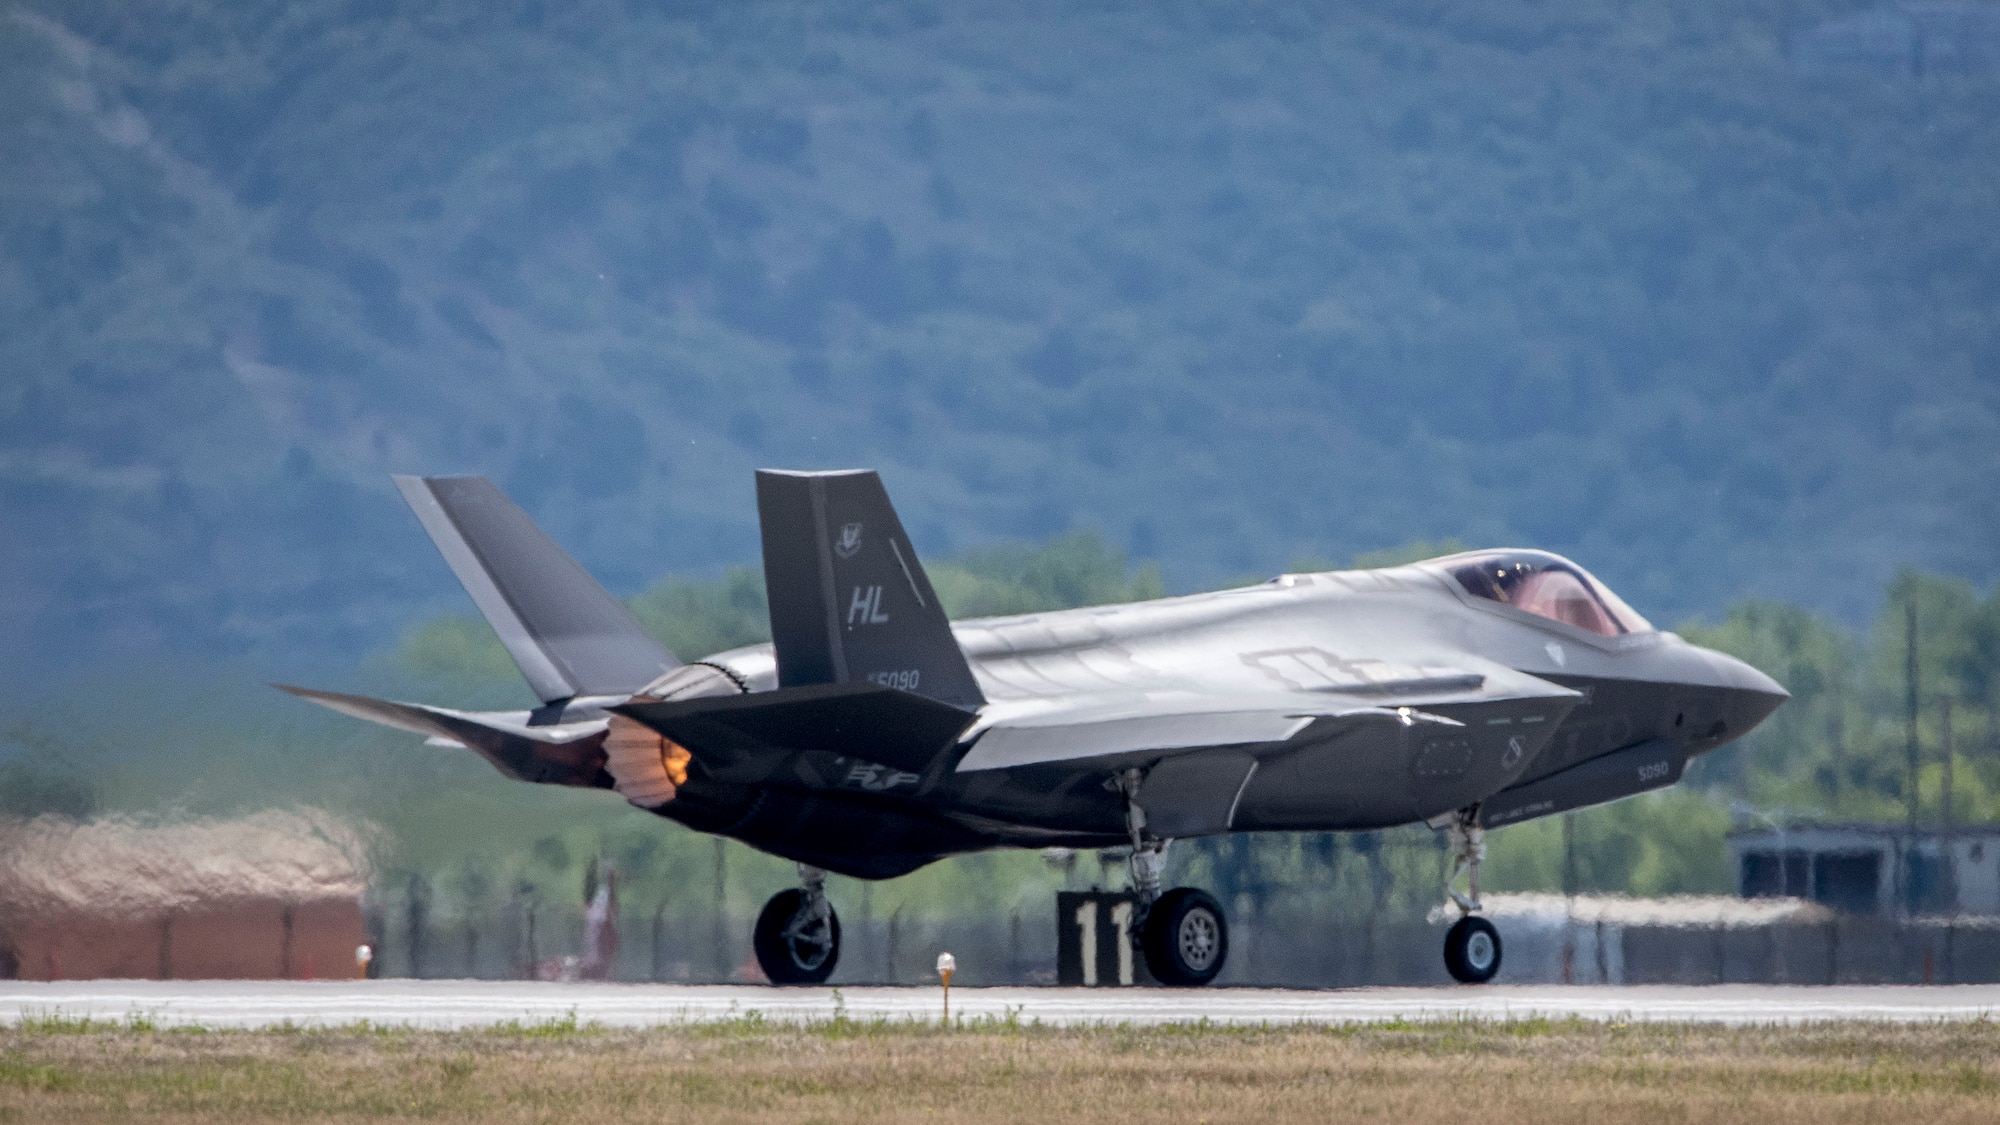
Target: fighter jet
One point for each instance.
(874, 735)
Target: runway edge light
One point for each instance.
(946, 965)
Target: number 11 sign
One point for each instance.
(1094, 940)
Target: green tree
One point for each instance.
(1657, 844)
(455, 647)
(694, 617)
(1796, 757)
(1839, 747)
(1075, 569)
(1957, 664)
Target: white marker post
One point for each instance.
(947, 964)
(362, 957)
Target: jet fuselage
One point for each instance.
(1539, 697)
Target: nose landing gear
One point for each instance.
(797, 938)
(1472, 945)
(1472, 950)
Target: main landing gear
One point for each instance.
(798, 935)
(1184, 938)
(1181, 932)
(1472, 945)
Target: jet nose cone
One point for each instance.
(1743, 677)
(1752, 695)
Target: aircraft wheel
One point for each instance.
(793, 946)
(1186, 938)
(1472, 950)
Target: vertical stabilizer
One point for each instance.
(850, 603)
(569, 636)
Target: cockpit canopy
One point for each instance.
(1545, 585)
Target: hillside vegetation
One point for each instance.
(1226, 282)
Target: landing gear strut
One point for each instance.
(1472, 945)
(1181, 932)
(798, 935)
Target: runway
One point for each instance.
(444, 1005)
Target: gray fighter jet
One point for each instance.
(874, 735)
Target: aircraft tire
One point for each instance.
(784, 957)
(1472, 950)
(1186, 938)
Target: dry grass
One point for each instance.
(1499, 1073)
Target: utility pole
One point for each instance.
(1839, 733)
(1912, 684)
(1569, 899)
(1944, 702)
(1569, 858)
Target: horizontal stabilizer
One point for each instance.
(864, 721)
(1621, 773)
(403, 716)
(569, 636)
(850, 603)
(559, 754)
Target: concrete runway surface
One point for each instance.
(443, 1004)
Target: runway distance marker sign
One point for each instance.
(1095, 945)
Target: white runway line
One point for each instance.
(472, 1004)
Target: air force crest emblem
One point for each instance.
(849, 541)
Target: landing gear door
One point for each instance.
(1194, 794)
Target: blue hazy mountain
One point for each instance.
(1230, 282)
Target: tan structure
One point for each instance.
(276, 895)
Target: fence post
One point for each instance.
(721, 912)
(417, 912)
(375, 923)
(889, 950)
(1014, 947)
(534, 955)
(659, 922)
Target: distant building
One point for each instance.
(276, 895)
(1873, 869)
(1906, 39)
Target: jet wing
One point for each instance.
(1161, 721)
(1109, 724)
(1205, 754)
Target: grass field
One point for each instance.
(1536, 1072)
